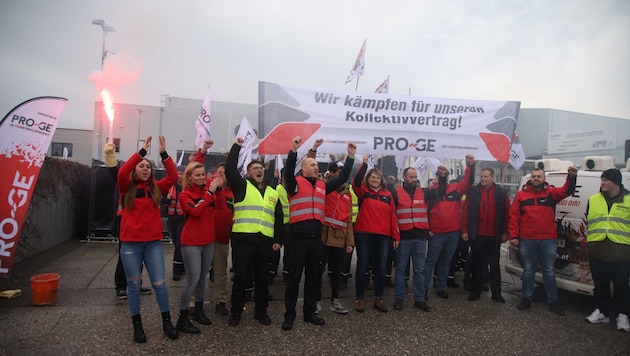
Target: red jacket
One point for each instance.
(532, 214)
(143, 222)
(223, 215)
(445, 213)
(199, 226)
(377, 211)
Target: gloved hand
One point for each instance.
(110, 155)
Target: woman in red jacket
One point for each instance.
(197, 241)
(376, 227)
(141, 232)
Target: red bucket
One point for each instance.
(44, 288)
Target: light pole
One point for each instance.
(104, 52)
(106, 29)
(140, 111)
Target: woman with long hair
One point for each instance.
(375, 229)
(141, 232)
(197, 241)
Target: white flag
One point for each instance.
(203, 122)
(517, 154)
(279, 165)
(359, 65)
(384, 87)
(181, 158)
(247, 133)
(423, 165)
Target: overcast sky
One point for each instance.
(566, 54)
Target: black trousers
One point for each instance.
(303, 254)
(175, 226)
(250, 258)
(334, 258)
(486, 248)
(604, 273)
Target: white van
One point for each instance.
(572, 267)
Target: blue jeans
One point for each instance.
(543, 252)
(441, 250)
(369, 245)
(417, 249)
(133, 254)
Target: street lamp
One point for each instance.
(106, 29)
(104, 53)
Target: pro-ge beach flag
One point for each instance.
(25, 134)
(203, 121)
(359, 65)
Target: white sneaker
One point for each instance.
(597, 317)
(337, 307)
(318, 307)
(622, 322)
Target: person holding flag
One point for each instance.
(256, 230)
(307, 195)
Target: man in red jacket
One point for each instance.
(445, 222)
(533, 230)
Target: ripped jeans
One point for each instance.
(133, 254)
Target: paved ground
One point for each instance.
(88, 319)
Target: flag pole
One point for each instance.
(356, 88)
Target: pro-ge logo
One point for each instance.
(30, 123)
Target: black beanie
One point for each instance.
(613, 175)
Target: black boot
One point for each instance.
(184, 324)
(168, 327)
(138, 332)
(199, 316)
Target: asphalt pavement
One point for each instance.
(87, 319)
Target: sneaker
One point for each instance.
(121, 294)
(597, 317)
(398, 304)
(524, 304)
(145, 291)
(318, 307)
(622, 323)
(336, 306)
(556, 308)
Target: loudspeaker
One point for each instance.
(103, 202)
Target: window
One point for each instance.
(61, 149)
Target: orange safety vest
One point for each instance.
(174, 206)
(309, 202)
(337, 210)
(412, 214)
